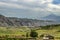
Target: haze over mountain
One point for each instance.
(52, 17)
(18, 22)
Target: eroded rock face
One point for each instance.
(4, 21)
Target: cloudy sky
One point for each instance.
(29, 8)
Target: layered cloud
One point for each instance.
(29, 8)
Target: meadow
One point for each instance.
(20, 32)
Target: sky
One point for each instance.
(29, 8)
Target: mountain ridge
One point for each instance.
(52, 17)
(17, 22)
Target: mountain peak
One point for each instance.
(52, 15)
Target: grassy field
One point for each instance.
(11, 31)
(51, 32)
(54, 32)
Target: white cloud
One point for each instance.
(11, 5)
(28, 0)
(14, 0)
(45, 4)
(37, 5)
(54, 6)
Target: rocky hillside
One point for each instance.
(13, 21)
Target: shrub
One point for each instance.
(33, 33)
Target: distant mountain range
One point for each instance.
(52, 17)
(18, 22)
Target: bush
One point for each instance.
(33, 33)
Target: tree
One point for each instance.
(33, 33)
(27, 34)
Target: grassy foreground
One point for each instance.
(21, 32)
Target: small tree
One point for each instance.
(33, 33)
(27, 34)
